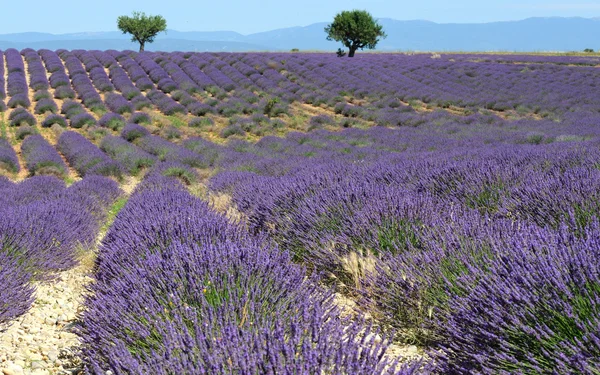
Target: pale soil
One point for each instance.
(42, 340)
(459, 111)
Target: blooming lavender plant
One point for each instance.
(41, 158)
(86, 158)
(130, 156)
(8, 157)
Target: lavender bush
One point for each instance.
(86, 158)
(8, 157)
(41, 158)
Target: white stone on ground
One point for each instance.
(41, 341)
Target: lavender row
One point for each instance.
(41, 158)
(86, 158)
(254, 316)
(36, 70)
(41, 224)
(81, 83)
(8, 157)
(17, 88)
(99, 78)
(130, 156)
(58, 78)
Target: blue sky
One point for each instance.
(246, 16)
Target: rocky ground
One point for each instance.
(42, 340)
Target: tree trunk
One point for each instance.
(142, 46)
(351, 51)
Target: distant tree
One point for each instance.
(355, 29)
(142, 28)
(588, 50)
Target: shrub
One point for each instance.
(171, 132)
(140, 118)
(141, 102)
(54, 119)
(117, 103)
(41, 158)
(22, 118)
(269, 108)
(39, 95)
(8, 158)
(64, 92)
(132, 132)
(45, 105)
(113, 121)
(96, 133)
(200, 109)
(24, 130)
(82, 119)
(19, 100)
(317, 122)
(71, 108)
(86, 158)
(234, 129)
(201, 122)
(130, 156)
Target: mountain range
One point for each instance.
(532, 34)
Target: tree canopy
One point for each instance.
(142, 28)
(355, 29)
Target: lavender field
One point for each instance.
(297, 213)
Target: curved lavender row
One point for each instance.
(165, 103)
(37, 72)
(245, 309)
(41, 157)
(96, 71)
(86, 158)
(81, 82)
(118, 76)
(135, 72)
(117, 103)
(8, 157)
(17, 88)
(130, 156)
(158, 75)
(167, 151)
(41, 224)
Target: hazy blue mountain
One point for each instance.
(532, 34)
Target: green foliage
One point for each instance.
(184, 175)
(142, 28)
(588, 50)
(270, 106)
(356, 29)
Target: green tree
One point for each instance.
(142, 28)
(355, 29)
